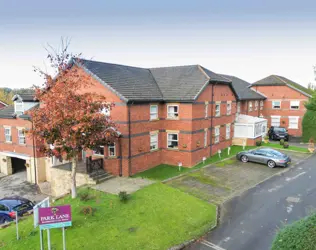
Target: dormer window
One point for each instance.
(18, 107)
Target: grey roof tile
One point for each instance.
(7, 112)
(242, 89)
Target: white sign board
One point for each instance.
(43, 203)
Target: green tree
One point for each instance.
(6, 96)
(309, 119)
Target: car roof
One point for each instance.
(13, 201)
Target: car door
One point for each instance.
(259, 156)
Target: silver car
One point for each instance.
(268, 156)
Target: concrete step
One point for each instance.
(103, 179)
(97, 173)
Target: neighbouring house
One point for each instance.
(284, 105)
(3, 104)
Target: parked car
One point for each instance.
(268, 156)
(9, 206)
(278, 133)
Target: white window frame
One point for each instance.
(20, 103)
(229, 110)
(217, 134)
(154, 141)
(297, 122)
(94, 152)
(250, 106)
(256, 105)
(217, 111)
(112, 146)
(8, 136)
(238, 107)
(206, 111)
(228, 129)
(155, 113)
(279, 118)
(291, 105)
(21, 136)
(273, 105)
(172, 133)
(205, 137)
(261, 105)
(173, 115)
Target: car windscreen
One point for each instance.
(24, 206)
(279, 129)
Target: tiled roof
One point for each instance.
(243, 90)
(7, 112)
(179, 83)
(280, 80)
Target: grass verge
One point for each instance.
(156, 217)
(291, 147)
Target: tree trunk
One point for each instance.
(73, 177)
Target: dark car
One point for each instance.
(9, 206)
(268, 156)
(278, 133)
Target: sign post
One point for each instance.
(43, 203)
(17, 225)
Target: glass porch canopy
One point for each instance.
(251, 127)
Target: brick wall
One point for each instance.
(284, 94)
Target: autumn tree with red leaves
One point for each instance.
(67, 120)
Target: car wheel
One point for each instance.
(271, 164)
(244, 158)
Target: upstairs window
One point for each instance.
(261, 105)
(106, 111)
(153, 112)
(295, 105)
(99, 151)
(256, 105)
(173, 111)
(276, 104)
(217, 109)
(111, 150)
(250, 106)
(21, 136)
(229, 108)
(7, 133)
(206, 110)
(172, 140)
(18, 106)
(217, 132)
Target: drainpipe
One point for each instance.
(121, 160)
(212, 114)
(129, 141)
(35, 175)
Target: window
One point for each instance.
(217, 134)
(205, 137)
(206, 110)
(238, 107)
(295, 105)
(275, 121)
(276, 104)
(21, 136)
(99, 151)
(173, 111)
(250, 106)
(111, 150)
(18, 106)
(7, 133)
(217, 109)
(154, 141)
(293, 122)
(229, 108)
(172, 140)
(227, 131)
(106, 111)
(3, 208)
(153, 112)
(256, 105)
(258, 129)
(261, 105)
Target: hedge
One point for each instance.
(300, 235)
(309, 125)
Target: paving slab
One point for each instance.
(118, 184)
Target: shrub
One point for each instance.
(88, 210)
(309, 125)
(282, 142)
(85, 196)
(299, 235)
(286, 145)
(123, 196)
(266, 137)
(258, 143)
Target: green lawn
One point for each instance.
(278, 146)
(156, 217)
(163, 172)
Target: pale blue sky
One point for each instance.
(249, 39)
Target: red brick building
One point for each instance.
(284, 105)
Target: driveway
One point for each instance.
(250, 221)
(16, 184)
(226, 179)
